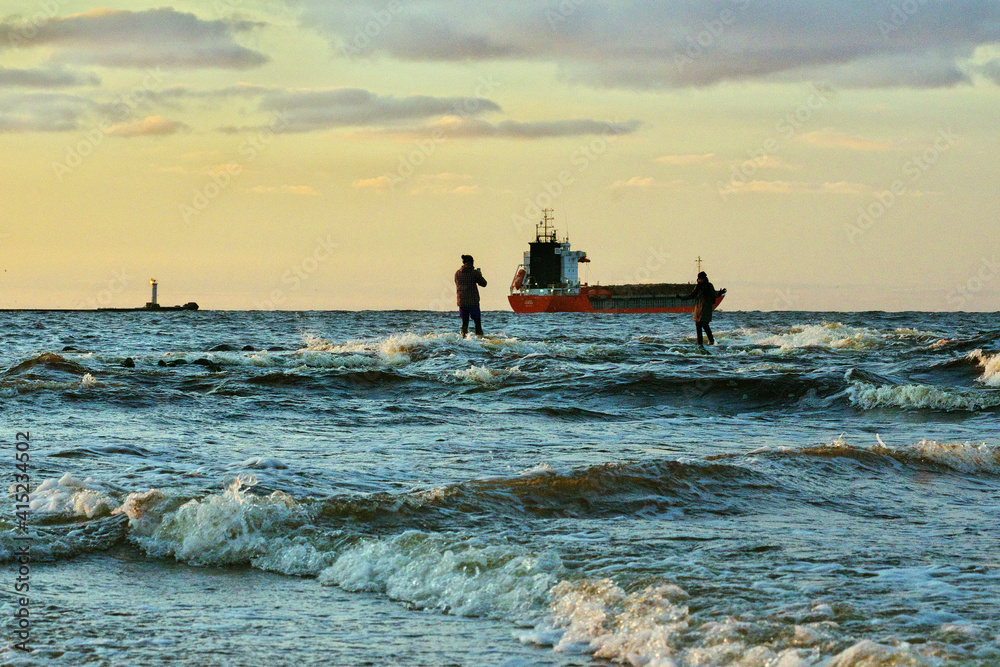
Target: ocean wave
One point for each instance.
(656, 626)
(229, 528)
(962, 457)
(990, 364)
(67, 516)
(487, 377)
(919, 397)
(460, 576)
(832, 335)
(47, 361)
(408, 347)
(17, 386)
(68, 498)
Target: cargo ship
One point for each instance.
(549, 282)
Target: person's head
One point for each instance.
(702, 276)
(467, 259)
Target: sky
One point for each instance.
(307, 154)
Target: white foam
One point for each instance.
(488, 377)
(461, 577)
(315, 359)
(833, 335)
(71, 497)
(917, 396)
(598, 617)
(961, 456)
(262, 462)
(991, 367)
(867, 653)
(229, 528)
(655, 626)
(542, 469)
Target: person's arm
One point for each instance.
(479, 278)
(692, 295)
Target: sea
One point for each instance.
(369, 488)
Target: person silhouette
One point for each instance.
(704, 296)
(467, 282)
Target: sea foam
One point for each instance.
(465, 577)
(917, 397)
(991, 367)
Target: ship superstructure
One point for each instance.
(548, 281)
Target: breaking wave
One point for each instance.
(990, 364)
(919, 397)
(964, 457)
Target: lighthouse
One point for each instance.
(152, 304)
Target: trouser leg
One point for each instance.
(698, 327)
(708, 330)
(479, 324)
(465, 322)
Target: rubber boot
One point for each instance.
(479, 330)
(465, 332)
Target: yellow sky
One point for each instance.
(239, 155)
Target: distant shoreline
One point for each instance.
(174, 309)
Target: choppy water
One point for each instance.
(822, 489)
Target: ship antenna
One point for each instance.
(546, 219)
(698, 262)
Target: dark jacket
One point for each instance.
(704, 295)
(466, 279)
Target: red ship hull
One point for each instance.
(581, 303)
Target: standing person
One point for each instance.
(467, 280)
(704, 296)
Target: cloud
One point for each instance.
(645, 183)
(52, 77)
(651, 44)
(377, 183)
(990, 70)
(42, 112)
(473, 128)
(635, 182)
(445, 183)
(120, 38)
(301, 190)
(311, 110)
(148, 126)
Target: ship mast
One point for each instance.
(544, 226)
(698, 262)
